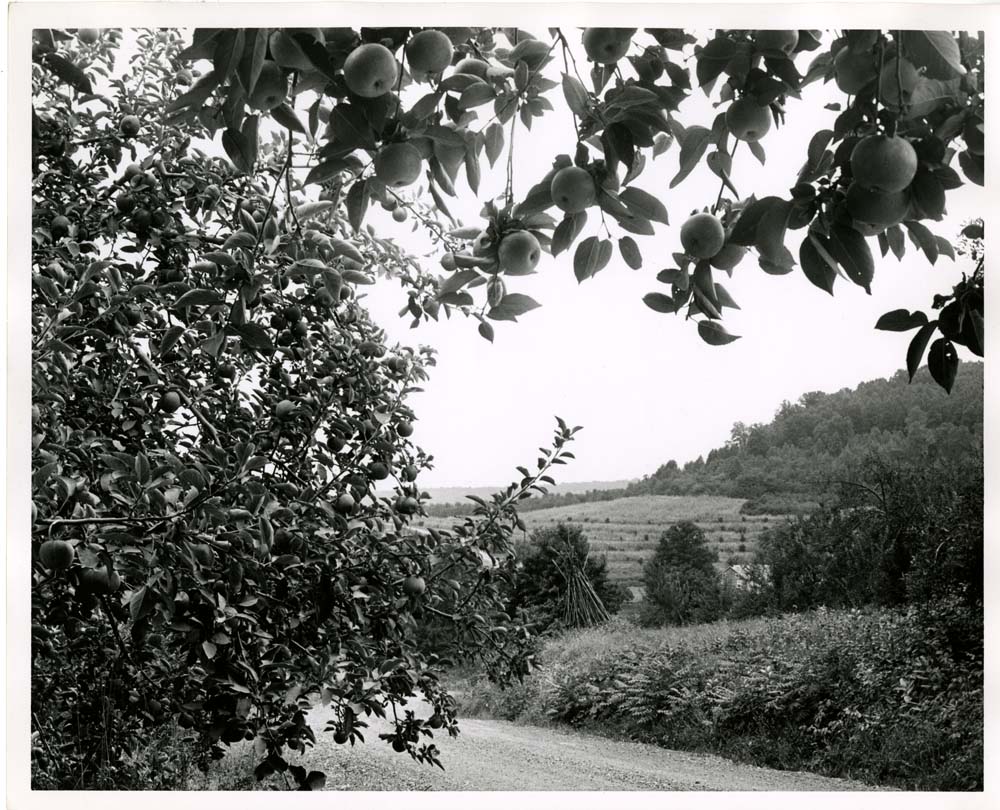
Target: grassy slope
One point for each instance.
(626, 530)
(821, 691)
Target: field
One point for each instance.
(626, 530)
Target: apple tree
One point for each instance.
(384, 104)
(216, 422)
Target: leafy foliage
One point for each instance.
(880, 696)
(681, 583)
(213, 409)
(622, 122)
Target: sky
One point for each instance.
(643, 385)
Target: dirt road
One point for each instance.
(496, 755)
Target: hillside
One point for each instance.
(626, 530)
(793, 461)
(442, 496)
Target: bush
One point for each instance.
(682, 586)
(882, 696)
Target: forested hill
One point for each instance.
(822, 437)
(816, 441)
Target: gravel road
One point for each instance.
(496, 755)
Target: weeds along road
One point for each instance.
(497, 755)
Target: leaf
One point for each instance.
(539, 199)
(935, 51)
(815, 264)
(915, 351)
(852, 253)
(592, 255)
(357, 203)
(198, 298)
(724, 298)
(240, 239)
(928, 193)
(253, 335)
(512, 305)
(972, 166)
(67, 72)
(170, 338)
(713, 59)
(250, 66)
(286, 116)
(923, 238)
(486, 331)
(659, 302)
(312, 209)
(494, 139)
(714, 333)
(331, 168)
(942, 361)
(721, 165)
(901, 320)
(630, 252)
(474, 95)
(745, 231)
(228, 51)
(645, 204)
(695, 142)
(456, 281)
(349, 128)
(425, 107)
(241, 152)
(576, 94)
(567, 231)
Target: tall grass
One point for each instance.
(885, 697)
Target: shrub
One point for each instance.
(682, 586)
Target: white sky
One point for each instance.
(643, 385)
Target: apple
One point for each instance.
(573, 189)
(414, 586)
(892, 88)
(776, 41)
(429, 51)
(284, 408)
(727, 258)
(472, 67)
(130, 126)
(882, 163)
(378, 471)
(88, 36)
(271, 88)
(448, 261)
(702, 236)
(125, 203)
(100, 580)
(607, 45)
(170, 402)
(344, 504)
(519, 253)
(370, 70)
(748, 120)
(400, 215)
(875, 207)
(56, 555)
(59, 227)
(853, 71)
(405, 429)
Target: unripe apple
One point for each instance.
(271, 88)
(748, 120)
(170, 402)
(414, 586)
(130, 126)
(607, 45)
(884, 164)
(519, 253)
(370, 70)
(573, 189)
(776, 41)
(429, 51)
(88, 36)
(702, 236)
(398, 164)
(56, 555)
(472, 67)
